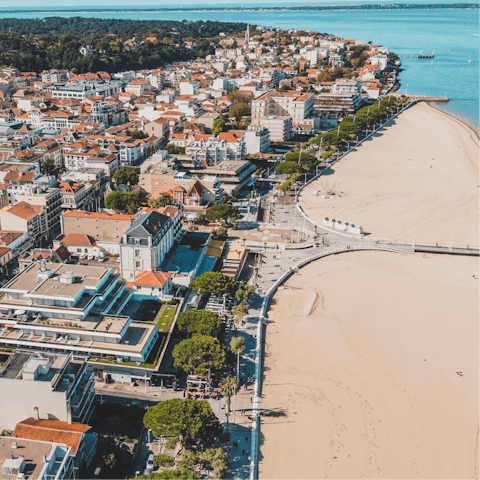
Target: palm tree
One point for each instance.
(228, 389)
(237, 345)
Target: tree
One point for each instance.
(49, 165)
(244, 293)
(174, 150)
(237, 345)
(178, 473)
(222, 212)
(127, 176)
(236, 96)
(218, 459)
(163, 460)
(199, 219)
(198, 354)
(239, 110)
(221, 232)
(288, 167)
(240, 310)
(213, 283)
(199, 321)
(119, 201)
(163, 200)
(184, 421)
(218, 126)
(228, 389)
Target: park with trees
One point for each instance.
(191, 429)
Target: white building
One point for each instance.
(72, 309)
(45, 386)
(280, 127)
(257, 139)
(146, 243)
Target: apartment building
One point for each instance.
(146, 243)
(36, 194)
(212, 150)
(106, 229)
(30, 219)
(83, 444)
(293, 104)
(72, 309)
(280, 127)
(257, 139)
(85, 89)
(345, 97)
(35, 459)
(54, 76)
(191, 193)
(45, 385)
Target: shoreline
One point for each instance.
(474, 129)
(415, 180)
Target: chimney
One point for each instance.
(44, 459)
(36, 414)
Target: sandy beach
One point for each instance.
(362, 351)
(416, 179)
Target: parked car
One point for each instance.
(90, 257)
(150, 465)
(82, 256)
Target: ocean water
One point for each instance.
(452, 34)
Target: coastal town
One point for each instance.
(148, 216)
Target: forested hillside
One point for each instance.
(54, 42)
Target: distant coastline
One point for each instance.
(432, 6)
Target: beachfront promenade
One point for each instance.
(279, 264)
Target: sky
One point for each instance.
(9, 4)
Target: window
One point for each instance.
(138, 265)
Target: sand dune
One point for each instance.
(418, 179)
(367, 380)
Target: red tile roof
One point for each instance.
(108, 216)
(78, 239)
(24, 210)
(52, 431)
(153, 279)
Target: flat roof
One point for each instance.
(85, 276)
(32, 451)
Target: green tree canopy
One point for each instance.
(127, 175)
(174, 150)
(240, 310)
(161, 201)
(199, 321)
(163, 460)
(237, 345)
(239, 110)
(178, 473)
(198, 354)
(119, 201)
(288, 167)
(222, 212)
(49, 166)
(213, 283)
(218, 126)
(184, 421)
(244, 293)
(216, 459)
(240, 96)
(228, 388)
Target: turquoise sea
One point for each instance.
(453, 34)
